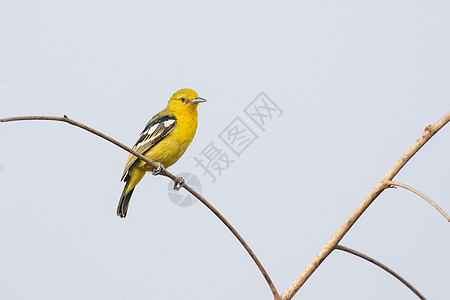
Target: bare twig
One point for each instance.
(411, 189)
(384, 267)
(164, 173)
(376, 191)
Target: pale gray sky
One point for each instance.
(357, 82)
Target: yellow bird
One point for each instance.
(164, 140)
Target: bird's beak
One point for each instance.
(197, 100)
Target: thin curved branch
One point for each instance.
(411, 189)
(384, 267)
(164, 173)
(376, 191)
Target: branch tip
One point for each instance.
(382, 266)
(422, 195)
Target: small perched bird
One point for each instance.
(164, 140)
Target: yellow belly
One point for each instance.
(172, 147)
(166, 152)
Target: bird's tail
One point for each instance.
(132, 178)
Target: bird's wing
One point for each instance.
(155, 130)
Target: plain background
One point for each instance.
(357, 81)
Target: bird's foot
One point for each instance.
(179, 183)
(158, 170)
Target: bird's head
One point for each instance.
(184, 99)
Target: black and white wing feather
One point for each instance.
(154, 131)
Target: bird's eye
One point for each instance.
(183, 100)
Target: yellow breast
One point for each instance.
(172, 147)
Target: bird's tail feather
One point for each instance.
(131, 179)
(124, 198)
